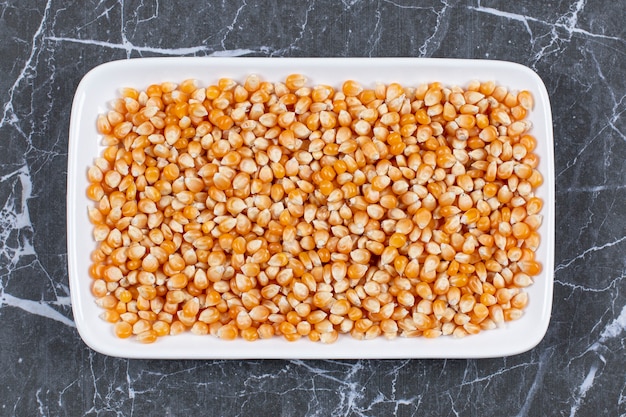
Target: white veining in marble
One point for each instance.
(8, 115)
(587, 251)
(38, 308)
(611, 331)
(15, 225)
(192, 50)
(615, 328)
(584, 387)
(231, 26)
(433, 42)
(567, 21)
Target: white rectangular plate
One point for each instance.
(103, 83)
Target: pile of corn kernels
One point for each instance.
(254, 209)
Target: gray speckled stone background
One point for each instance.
(577, 47)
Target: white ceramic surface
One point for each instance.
(102, 84)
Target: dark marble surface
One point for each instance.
(577, 47)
